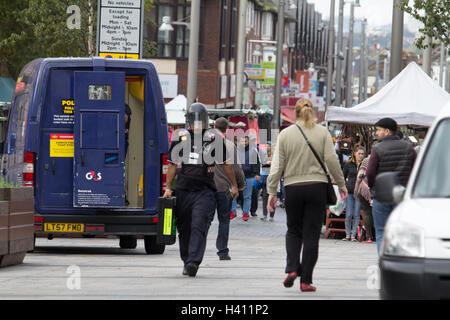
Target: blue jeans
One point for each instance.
(234, 206)
(352, 211)
(380, 214)
(247, 195)
(223, 206)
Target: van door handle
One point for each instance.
(82, 158)
(53, 166)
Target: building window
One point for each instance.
(223, 29)
(173, 44)
(250, 16)
(182, 32)
(233, 29)
(258, 23)
(267, 26)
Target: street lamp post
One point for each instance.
(349, 84)
(366, 68)
(396, 40)
(330, 53)
(447, 75)
(427, 56)
(193, 52)
(441, 65)
(362, 61)
(386, 69)
(279, 63)
(338, 99)
(240, 54)
(377, 73)
(304, 33)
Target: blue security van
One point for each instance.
(96, 169)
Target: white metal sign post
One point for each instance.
(120, 28)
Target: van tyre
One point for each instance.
(128, 242)
(152, 246)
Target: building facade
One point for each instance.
(218, 45)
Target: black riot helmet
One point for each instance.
(197, 115)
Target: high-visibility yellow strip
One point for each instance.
(167, 230)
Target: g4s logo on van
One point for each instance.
(91, 175)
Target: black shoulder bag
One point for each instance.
(331, 195)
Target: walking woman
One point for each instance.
(306, 190)
(352, 204)
(362, 193)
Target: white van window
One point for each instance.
(433, 178)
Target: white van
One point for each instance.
(415, 251)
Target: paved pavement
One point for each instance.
(99, 269)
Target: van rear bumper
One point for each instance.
(104, 224)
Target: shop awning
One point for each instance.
(289, 115)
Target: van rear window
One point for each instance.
(99, 92)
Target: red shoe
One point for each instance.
(245, 217)
(304, 287)
(289, 281)
(233, 215)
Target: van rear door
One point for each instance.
(99, 135)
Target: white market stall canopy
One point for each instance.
(411, 98)
(176, 110)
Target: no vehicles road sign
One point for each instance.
(119, 29)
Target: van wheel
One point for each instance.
(153, 247)
(128, 242)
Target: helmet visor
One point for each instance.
(197, 120)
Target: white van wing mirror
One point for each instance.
(387, 188)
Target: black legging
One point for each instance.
(304, 208)
(368, 219)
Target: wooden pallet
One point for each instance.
(335, 225)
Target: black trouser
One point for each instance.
(193, 211)
(304, 208)
(255, 196)
(368, 219)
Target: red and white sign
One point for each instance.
(303, 81)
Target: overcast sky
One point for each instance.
(377, 12)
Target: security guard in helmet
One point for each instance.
(195, 152)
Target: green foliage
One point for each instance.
(435, 15)
(38, 28)
(4, 184)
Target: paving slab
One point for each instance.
(98, 269)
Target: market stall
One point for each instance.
(411, 98)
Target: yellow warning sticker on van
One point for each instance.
(61, 145)
(167, 230)
(68, 106)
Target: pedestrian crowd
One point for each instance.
(299, 171)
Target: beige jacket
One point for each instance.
(294, 157)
